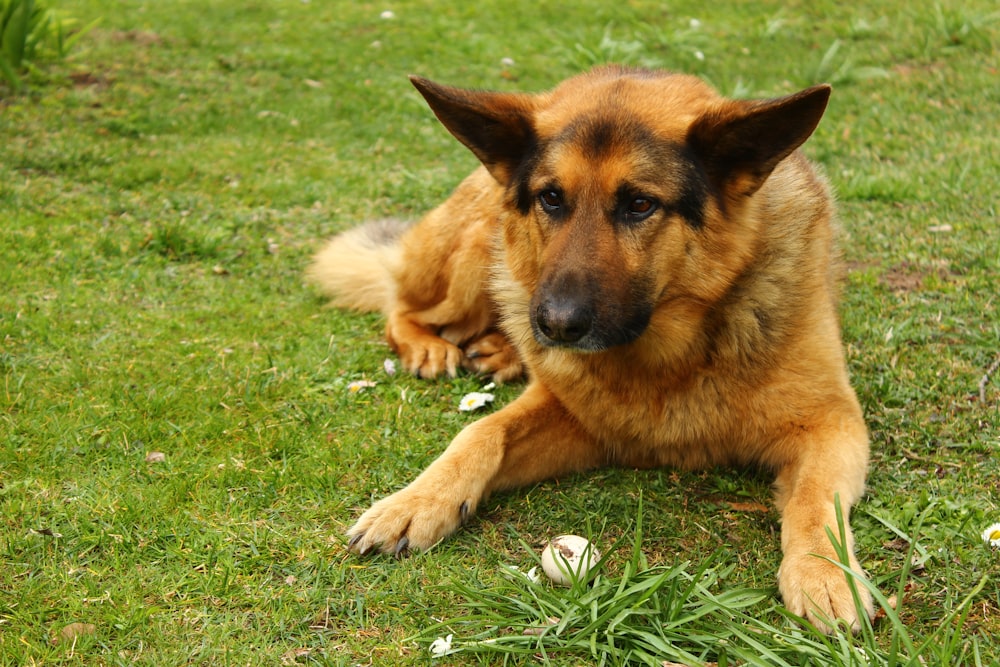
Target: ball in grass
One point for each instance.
(569, 557)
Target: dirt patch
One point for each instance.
(910, 277)
(140, 37)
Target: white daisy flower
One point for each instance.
(992, 535)
(358, 385)
(474, 401)
(441, 646)
(389, 366)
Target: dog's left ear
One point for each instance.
(497, 127)
(743, 141)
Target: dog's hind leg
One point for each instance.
(422, 351)
(493, 355)
(532, 439)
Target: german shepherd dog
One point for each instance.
(659, 261)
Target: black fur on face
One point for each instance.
(600, 137)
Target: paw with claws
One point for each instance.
(493, 355)
(429, 357)
(817, 589)
(410, 519)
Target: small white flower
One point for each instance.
(474, 401)
(389, 366)
(695, 24)
(507, 62)
(490, 387)
(699, 55)
(441, 646)
(387, 14)
(358, 385)
(992, 535)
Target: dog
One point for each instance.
(660, 262)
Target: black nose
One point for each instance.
(564, 321)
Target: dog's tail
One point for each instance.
(357, 268)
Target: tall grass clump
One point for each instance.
(29, 31)
(686, 614)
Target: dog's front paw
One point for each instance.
(406, 520)
(817, 589)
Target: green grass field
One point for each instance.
(179, 451)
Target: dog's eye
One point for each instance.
(640, 206)
(639, 209)
(551, 200)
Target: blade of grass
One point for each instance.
(15, 32)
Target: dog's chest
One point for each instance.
(648, 420)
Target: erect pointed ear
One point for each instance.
(743, 141)
(497, 127)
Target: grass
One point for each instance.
(160, 193)
(666, 615)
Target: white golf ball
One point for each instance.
(569, 557)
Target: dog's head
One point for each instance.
(624, 189)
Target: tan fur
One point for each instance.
(372, 250)
(703, 334)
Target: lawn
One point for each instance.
(180, 452)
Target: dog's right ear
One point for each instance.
(497, 127)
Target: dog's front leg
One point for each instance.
(830, 464)
(532, 439)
